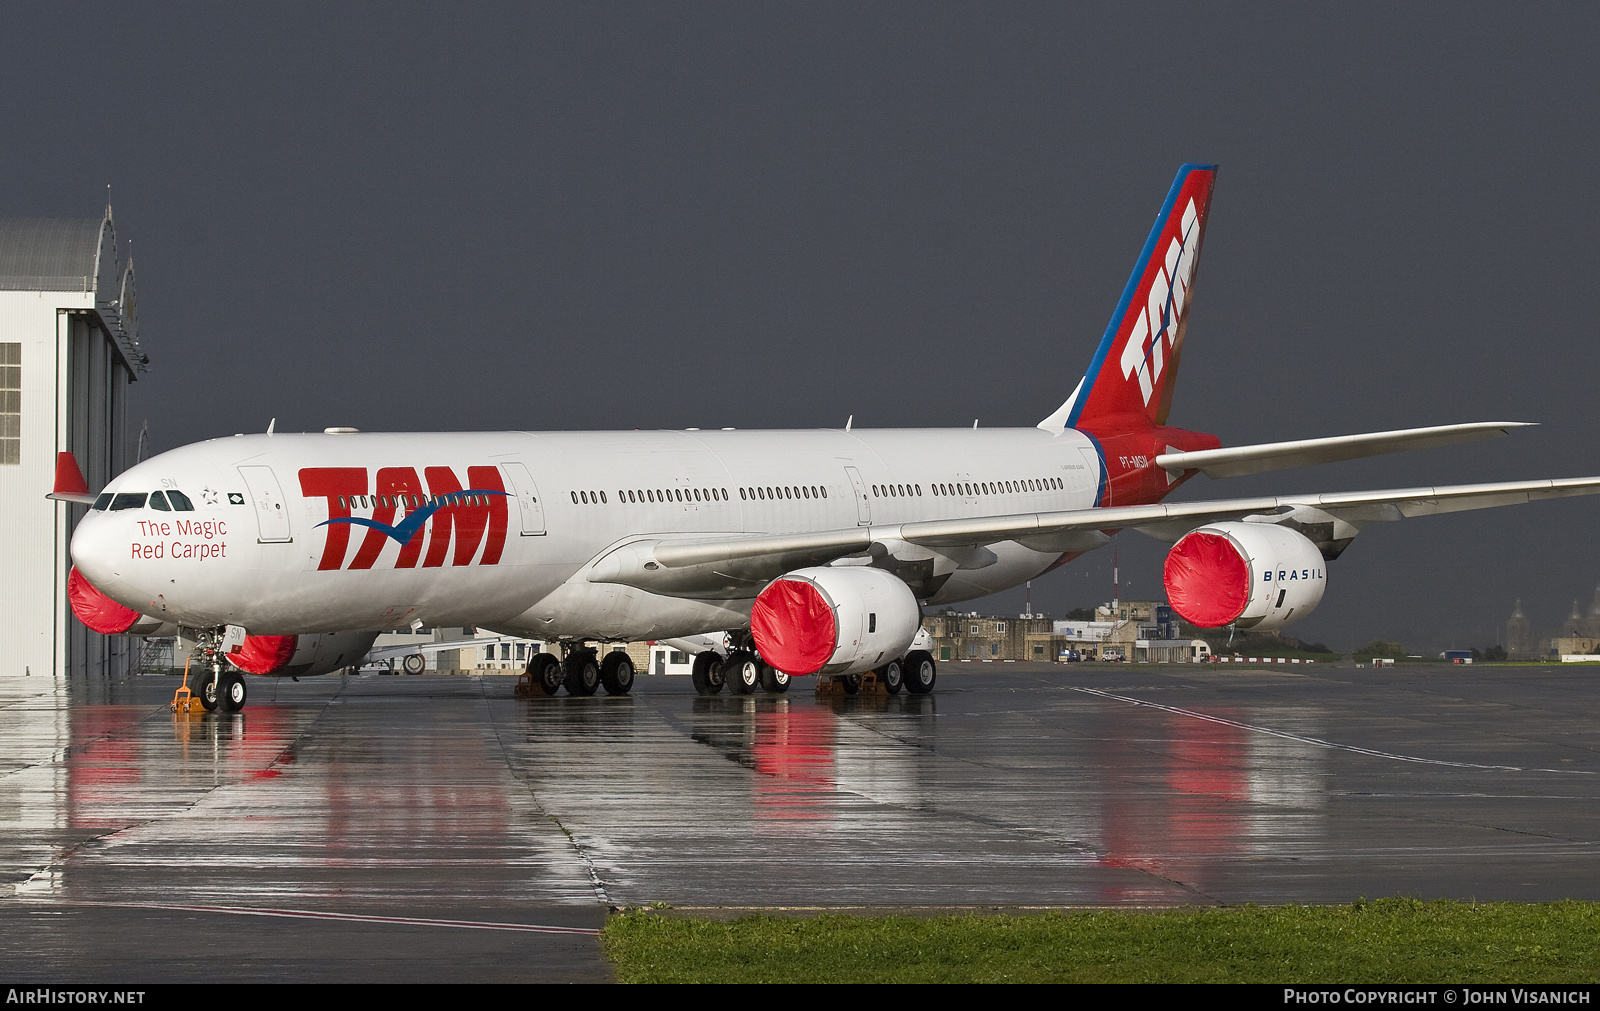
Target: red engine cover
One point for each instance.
(95, 609)
(263, 654)
(793, 627)
(1207, 580)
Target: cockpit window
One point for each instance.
(180, 501)
(128, 500)
(158, 502)
(103, 502)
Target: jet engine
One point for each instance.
(1253, 575)
(301, 655)
(834, 620)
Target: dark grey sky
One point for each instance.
(659, 216)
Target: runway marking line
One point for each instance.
(311, 914)
(1318, 742)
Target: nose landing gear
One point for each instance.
(217, 688)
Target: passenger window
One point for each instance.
(158, 502)
(128, 500)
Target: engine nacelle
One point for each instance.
(301, 655)
(1253, 575)
(834, 620)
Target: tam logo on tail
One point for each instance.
(1145, 337)
(1156, 324)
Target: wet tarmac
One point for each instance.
(437, 828)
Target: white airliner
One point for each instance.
(816, 548)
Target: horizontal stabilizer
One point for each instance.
(1238, 461)
(70, 485)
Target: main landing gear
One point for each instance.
(743, 672)
(915, 672)
(580, 671)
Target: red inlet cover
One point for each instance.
(793, 627)
(1208, 581)
(263, 654)
(95, 609)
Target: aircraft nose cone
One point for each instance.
(94, 550)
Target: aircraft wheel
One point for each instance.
(616, 673)
(544, 670)
(851, 683)
(205, 689)
(892, 676)
(742, 671)
(583, 674)
(416, 663)
(920, 672)
(774, 681)
(707, 673)
(233, 692)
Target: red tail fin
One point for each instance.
(1130, 380)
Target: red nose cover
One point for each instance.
(95, 609)
(263, 654)
(793, 627)
(1208, 582)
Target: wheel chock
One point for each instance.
(183, 700)
(832, 686)
(185, 704)
(524, 686)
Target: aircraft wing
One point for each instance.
(1238, 461)
(741, 564)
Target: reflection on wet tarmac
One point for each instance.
(448, 797)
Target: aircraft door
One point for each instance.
(272, 513)
(527, 498)
(1085, 480)
(863, 503)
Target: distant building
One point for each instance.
(1139, 630)
(958, 636)
(1574, 624)
(1576, 645)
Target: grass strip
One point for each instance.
(1384, 941)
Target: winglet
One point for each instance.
(70, 485)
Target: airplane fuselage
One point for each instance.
(340, 532)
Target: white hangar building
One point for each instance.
(69, 348)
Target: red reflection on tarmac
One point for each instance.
(1180, 805)
(103, 765)
(110, 747)
(794, 754)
